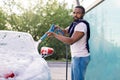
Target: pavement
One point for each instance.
(58, 70)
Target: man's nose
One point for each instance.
(74, 14)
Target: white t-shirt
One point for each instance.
(78, 49)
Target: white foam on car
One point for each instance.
(18, 53)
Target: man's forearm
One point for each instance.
(63, 39)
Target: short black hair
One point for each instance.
(81, 7)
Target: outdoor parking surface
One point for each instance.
(58, 70)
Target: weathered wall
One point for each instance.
(105, 41)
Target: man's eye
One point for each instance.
(76, 13)
(73, 12)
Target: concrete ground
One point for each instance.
(58, 70)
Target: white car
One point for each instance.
(20, 59)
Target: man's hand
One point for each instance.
(57, 27)
(51, 34)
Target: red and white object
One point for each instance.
(46, 51)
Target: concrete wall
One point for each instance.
(105, 41)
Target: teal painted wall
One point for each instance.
(105, 41)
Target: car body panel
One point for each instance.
(19, 54)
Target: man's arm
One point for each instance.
(68, 40)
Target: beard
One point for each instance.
(76, 18)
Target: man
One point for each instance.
(78, 40)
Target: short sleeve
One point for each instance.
(81, 27)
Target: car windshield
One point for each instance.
(16, 42)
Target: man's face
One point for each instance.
(77, 14)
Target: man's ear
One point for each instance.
(83, 15)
